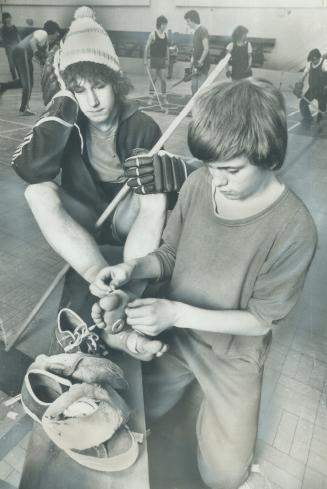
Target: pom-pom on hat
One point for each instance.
(84, 11)
(87, 40)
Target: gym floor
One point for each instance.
(292, 445)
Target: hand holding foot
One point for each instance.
(109, 312)
(108, 315)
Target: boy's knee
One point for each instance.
(223, 474)
(42, 194)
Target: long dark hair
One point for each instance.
(95, 72)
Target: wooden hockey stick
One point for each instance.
(120, 196)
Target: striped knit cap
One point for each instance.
(87, 40)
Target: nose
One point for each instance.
(92, 98)
(220, 179)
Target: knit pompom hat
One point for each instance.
(87, 40)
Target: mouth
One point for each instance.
(95, 111)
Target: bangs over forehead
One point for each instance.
(96, 73)
(88, 71)
(244, 118)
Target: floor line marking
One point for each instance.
(12, 139)
(17, 123)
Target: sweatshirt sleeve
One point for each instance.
(166, 254)
(38, 158)
(281, 279)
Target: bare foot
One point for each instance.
(109, 312)
(135, 344)
(109, 315)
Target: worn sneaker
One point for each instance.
(74, 335)
(118, 453)
(84, 416)
(40, 388)
(82, 367)
(88, 423)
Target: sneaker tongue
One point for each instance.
(82, 407)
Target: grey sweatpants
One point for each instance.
(24, 66)
(228, 418)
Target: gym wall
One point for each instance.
(296, 27)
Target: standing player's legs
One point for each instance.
(304, 106)
(154, 76)
(24, 67)
(9, 53)
(197, 81)
(27, 83)
(162, 77)
(14, 83)
(321, 105)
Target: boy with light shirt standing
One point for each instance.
(32, 46)
(235, 254)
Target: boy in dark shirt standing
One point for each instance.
(200, 61)
(10, 39)
(316, 71)
(157, 45)
(241, 50)
(235, 254)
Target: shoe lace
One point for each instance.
(81, 334)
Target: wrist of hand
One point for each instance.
(177, 313)
(132, 265)
(91, 273)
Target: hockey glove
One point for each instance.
(161, 173)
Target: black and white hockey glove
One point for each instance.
(161, 173)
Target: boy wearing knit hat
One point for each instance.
(87, 133)
(34, 45)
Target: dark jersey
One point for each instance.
(317, 79)
(158, 48)
(10, 36)
(240, 61)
